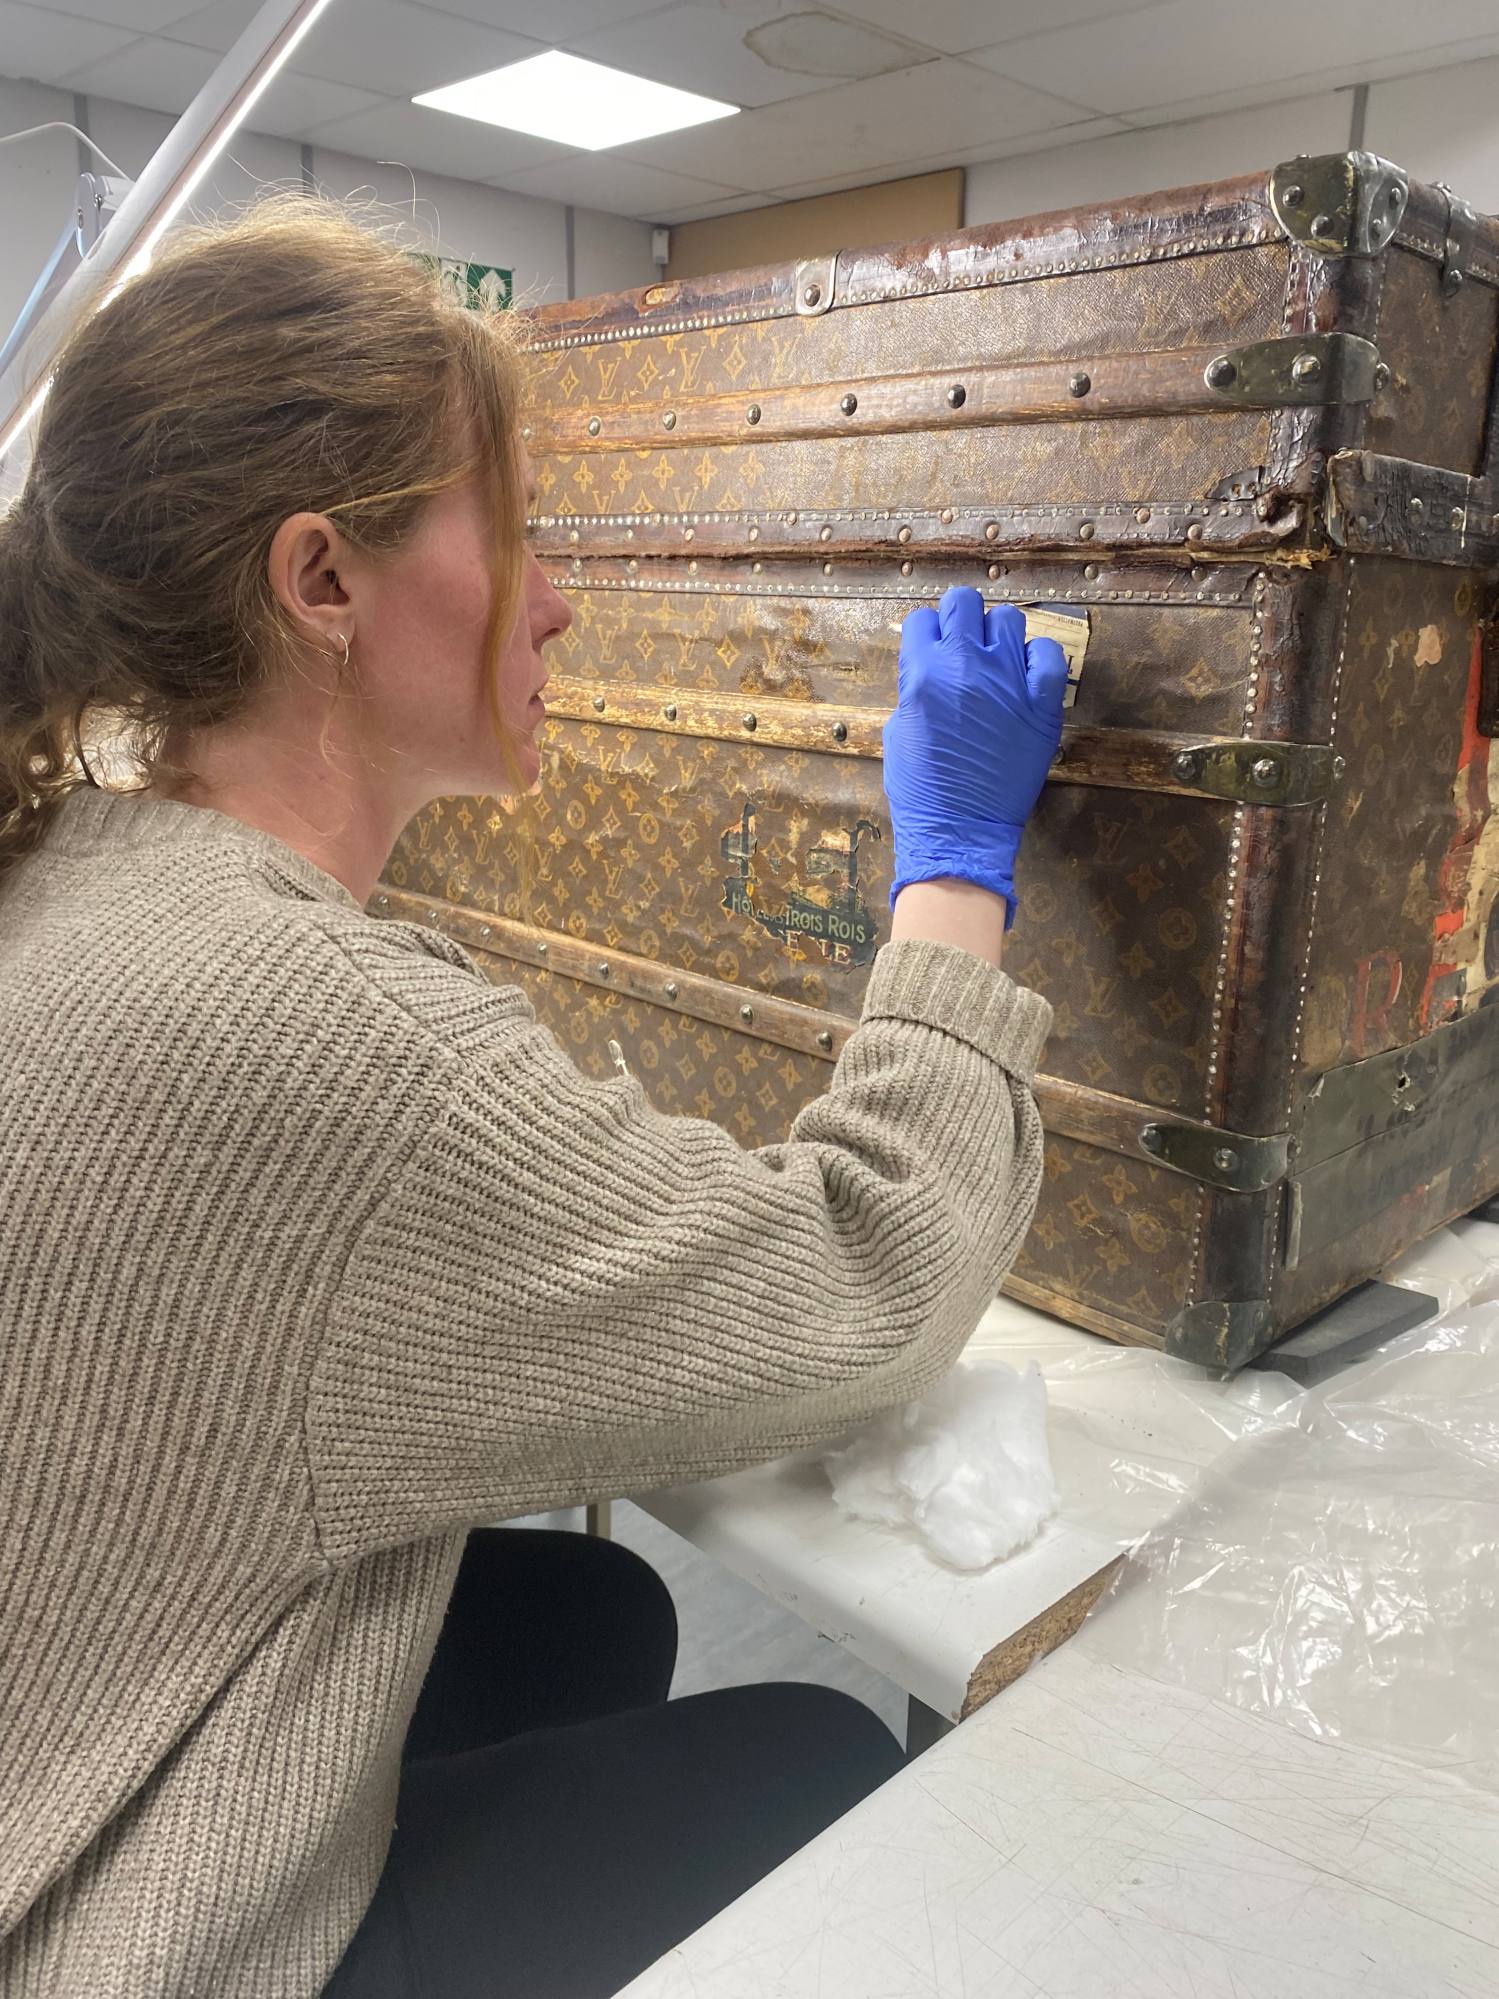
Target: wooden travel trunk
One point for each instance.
(1246, 429)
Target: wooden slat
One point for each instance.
(1164, 382)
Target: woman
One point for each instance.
(319, 1254)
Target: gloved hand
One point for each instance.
(971, 740)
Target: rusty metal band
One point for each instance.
(1250, 770)
(1070, 1110)
(1297, 370)
(906, 534)
(1228, 586)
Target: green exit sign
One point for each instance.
(483, 286)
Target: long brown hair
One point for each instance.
(290, 361)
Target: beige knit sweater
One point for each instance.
(317, 1251)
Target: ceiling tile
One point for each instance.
(993, 149)
(390, 46)
(956, 25)
(1182, 51)
(1455, 141)
(708, 49)
(415, 136)
(864, 130)
(142, 17)
(557, 23)
(156, 74)
(296, 105)
(706, 211)
(1306, 88)
(618, 187)
(41, 44)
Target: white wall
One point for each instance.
(461, 218)
(1443, 125)
(1140, 162)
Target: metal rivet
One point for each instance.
(746, 1012)
(692, 567)
(1085, 531)
(526, 432)
(824, 534)
(996, 570)
(812, 295)
(754, 534)
(1142, 515)
(541, 950)
(903, 535)
(632, 565)
(1418, 506)
(598, 702)
(485, 930)
(1294, 195)
(669, 421)
(433, 917)
(906, 568)
(572, 534)
(383, 901)
(991, 531)
(1184, 763)
(1381, 374)
(670, 711)
(1079, 384)
(1218, 374)
(1225, 1159)
(1393, 198)
(827, 569)
(1194, 532)
(1339, 766)
(752, 414)
(824, 1040)
(602, 969)
(1265, 770)
(1153, 1138)
(792, 518)
(756, 567)
(594, 426)
(750, 722)
(946, 517)
(671, 989)
(1452, 279)
(1459, 518)
(849, 404)
(1090, 570)
(689, 534)
(1306, 368)
(957, 395)
(840, 732)
(1321, 225)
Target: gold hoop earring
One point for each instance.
(344, 662)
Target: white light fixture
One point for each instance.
(576, 103)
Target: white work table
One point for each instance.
(1120, 1824)
(1095, 1835)
(1129, 1432)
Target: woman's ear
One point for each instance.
(305, 570)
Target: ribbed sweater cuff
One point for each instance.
(941, 986)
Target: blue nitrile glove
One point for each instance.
(973, 735)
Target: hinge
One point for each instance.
(1260, 773)
(816, 279)
(1307, 368)
(1457, 244)
(1220, 1333)
(1339, 204)
(1218, 1158)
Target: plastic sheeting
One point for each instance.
(1337, 1565)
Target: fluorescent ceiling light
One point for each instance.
(577, 103)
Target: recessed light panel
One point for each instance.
(577, 103)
